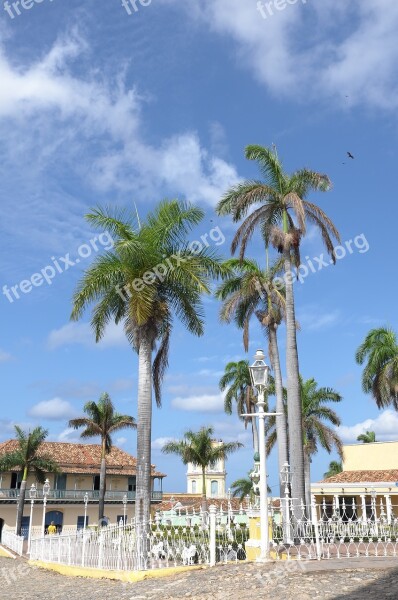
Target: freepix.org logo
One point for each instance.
(268, 9)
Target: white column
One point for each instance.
(43, 524)
(212, 511)
(30, 525)
(363, 505)
(263, 481)
(388, 508)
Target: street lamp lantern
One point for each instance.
(46, 487)
(46, 491)
(32, 496)
(259, 371)
(33, 492)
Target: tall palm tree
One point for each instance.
(249, 291)
(102, 420)
(367, 438)
(199, 449)
(150, 276)
(236, 380)
(27, 457)
(316, 416)
(335, 467)
(379, 353)
(282, 217)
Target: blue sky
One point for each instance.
(101, 107)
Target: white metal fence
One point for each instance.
(133, 547)
(337, 529)
(12, 541)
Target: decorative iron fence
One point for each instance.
(133, 547)
(12, 541)
(338, 529)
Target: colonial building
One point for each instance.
(215, 478)
(368, 482)
(77, 482)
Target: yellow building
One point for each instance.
(215, 478)
(78, 479)
(367, 484)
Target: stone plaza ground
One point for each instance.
(358, 580)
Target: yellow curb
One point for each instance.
(5, 553)
(126, 576)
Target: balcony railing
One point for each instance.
(77, 495)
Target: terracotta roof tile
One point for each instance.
(84, 458)
(363, 477)
(195, 501)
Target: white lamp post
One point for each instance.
(46, 491)
(32, 496)
(259, 372)
(85, 510)
(124, 508)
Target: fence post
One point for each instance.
(212, 541)
(315, 524)
(101, 548)
(83, 547)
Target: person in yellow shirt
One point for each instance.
(52, 529)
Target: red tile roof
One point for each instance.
(195, 501)
(84, 458)
(363, 477)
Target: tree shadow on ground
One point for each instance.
(384, 587)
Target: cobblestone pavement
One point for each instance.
(279, 581)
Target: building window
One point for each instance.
(214, 488)
(80, 522)
(96, 483)
(194, 487)
(132, 484)
(16, 480)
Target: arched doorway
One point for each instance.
(57, 517)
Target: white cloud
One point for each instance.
(4, 356)
(7, 428)
(160, 442)
(55, 409)
(203, 403)
(385, 426)
(120, 441)
(312, 319)
(71, 436)
(318, 49)
(82, 334)
(104, 116)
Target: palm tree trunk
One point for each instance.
(102, 490)
(281, 425)
(294, 408)
(21, 502)
(144, 425)
(307, 469)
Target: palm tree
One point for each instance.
(27, 457)
(367, 438)
(282, 217)
(248, 291)
(243, 488)
(380, 376)
(236, 380)
(102, 420)
(316, 432)
(199, 449)
(335, 467)
(150, 276)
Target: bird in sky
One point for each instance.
(350, 155)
